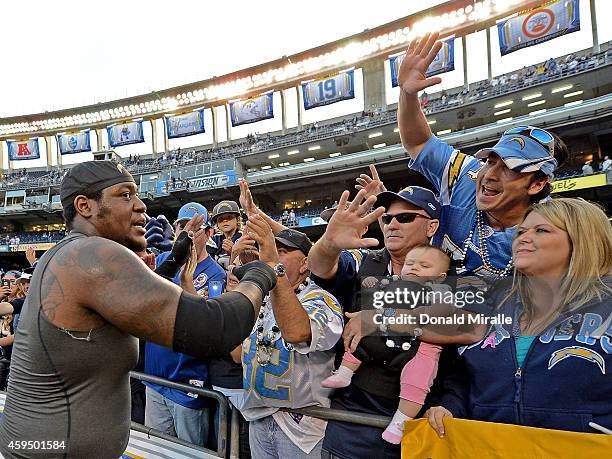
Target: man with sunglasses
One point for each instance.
(410, 219)
(481, 201)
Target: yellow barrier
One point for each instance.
(484, 440)
(579, 183)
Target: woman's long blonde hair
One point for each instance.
(590, 237)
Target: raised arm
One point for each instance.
(411, 79)
(103, 277)
(344, 231)
(246, 201)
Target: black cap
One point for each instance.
(295, 239)
(91, 177)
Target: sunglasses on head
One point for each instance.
(541, 136)
(404, 217)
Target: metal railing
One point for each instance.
(223, 407)
(328, 414)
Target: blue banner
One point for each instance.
(23, 149)
(185, 124)
(125, 133)
(538, 25)
(252, 110)
(443, 62)
(330, 90)
(73, 142)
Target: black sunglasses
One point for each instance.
(404, 217)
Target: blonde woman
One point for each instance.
(550, 367)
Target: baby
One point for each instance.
(423, 263)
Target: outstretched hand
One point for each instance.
(348, 224)
(420, 54)
(246, 198)
(372, 185)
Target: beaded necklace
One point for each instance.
(482, 249)
(264, 342)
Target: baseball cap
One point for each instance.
(295, 239)
(525, 149)
(189, 210)
(90, 177)
(417, 196)
(25, 276)
(224, 207)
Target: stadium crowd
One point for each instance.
(319, 338)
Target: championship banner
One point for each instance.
(125, 133)
(185, 124)
(469, 439)
(23, 149)
(551, 20)
(252, 110)
(74, 142)
(330, 90)
(442, 63)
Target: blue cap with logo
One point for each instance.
(525, 149)
(189, 210)
(417, 196)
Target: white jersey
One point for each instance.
(292, 378)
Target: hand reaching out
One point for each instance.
(372, 185)
(30, 255)
(260, 231)
(420, 54)
(349, 224)
(246, 198)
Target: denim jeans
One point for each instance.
(173, 419)
(268, 441)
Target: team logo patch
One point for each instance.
(580, 352)
(200, 281)
(520, 141)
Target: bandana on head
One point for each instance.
(90, 177)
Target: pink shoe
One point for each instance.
(391, 435)
(340, 378)
(335, 381)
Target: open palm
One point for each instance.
(421, 53)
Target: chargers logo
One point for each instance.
(581, 353)
(517, 139)
(200, 281)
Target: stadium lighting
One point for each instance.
(275, 155)
(535, 95)
(379, 145)
(307, 160)
(572, 94)
(263, 168)
(292, 152)
(333, 155)
(444, 131)
(252, 169)
(430, 122)
(284, 164)
(537, 112)
(502, 112)
(571, 104)
(375, 134)
(503, 104)
(536, 103)
(504, 120)
(562, 88)
(314, 147)
(396, 130)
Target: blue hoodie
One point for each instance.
(562, 383)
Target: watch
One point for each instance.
(279, 270)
